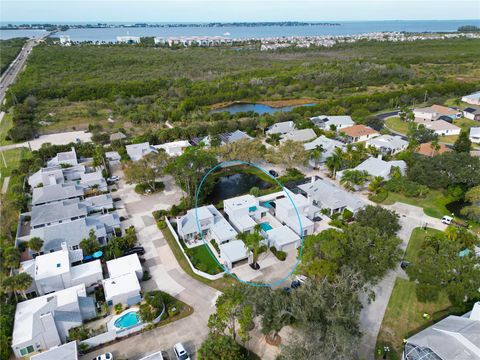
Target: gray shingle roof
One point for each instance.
(281, 127)
(56, 192)
(57, 211)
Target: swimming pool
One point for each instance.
(127, 320)
(266, 226)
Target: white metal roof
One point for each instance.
(52, 264)
(282, 236)
(120, 285)
(234, 251)
(123, 265)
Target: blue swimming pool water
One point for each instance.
(266, 226)
(128, 320)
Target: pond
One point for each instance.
(234, 185)
(455, 207)
(257, 108)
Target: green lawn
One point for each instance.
(398, 125)
(10, 158)
(404, 316)
(416, 241)
(202, 260)
(433, 204)
(5, 125)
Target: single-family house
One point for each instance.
(336, 122)
(53, 272)
(297, 215)
(475, 135)
(472, 99)
(327, 146)
(283, 238)
(388, 144)
(281, 128)
(43, 322)
(244, 212)
(66, 351)
(123, 287)
(326, 195)
(113, 157)
(301, 135)
(212, 223)
(228, 138)
(233, 252)
(427, 149)
(436, 112)
(117, 136)
(453, 338)
(138, 151)
(472, 113)
(128, 39)
(443, 128)
(174, 148)
(378, 167)
(358, 133)
(64, 158)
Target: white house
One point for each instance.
(128, 39)
(472, 113)
(244, 212)
(443, 128)
(123, 287)
(436, 112)
(378, 167)
(388, 144)
(212, 224)
(66, 351)
(283, 238)
(472, 99)
(327, 146)
(233, 252)
(113, 157)
(43, 322)
(326, 195)
(327, 122)
(304, 213)
(301, 135)
(137, 151)
(53, 272)
(65, 158)
(475, 135)
(281, 128)
(174, 148)
(455, 337)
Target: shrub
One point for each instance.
(262, 249)
(379, 197)
(146, 275)
(281, 255)
(118, 308)
(160, 214)
(173, 310)
(347, 215)
(78, 333)
(215, 245)
(142, 188)
(337, 223)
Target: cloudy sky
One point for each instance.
(235, 10)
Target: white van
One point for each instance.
(180, 352)
(447, 220)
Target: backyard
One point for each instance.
(202, 260)
(404, 314)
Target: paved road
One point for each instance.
(15, 67)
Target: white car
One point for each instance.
(106, 356)
(447, 220)
(113, 178)
(180, 352)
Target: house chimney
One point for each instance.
(379, 157)
(64, 246)
(51, 179)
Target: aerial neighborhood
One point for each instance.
(245, 200)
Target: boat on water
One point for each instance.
(226, 34)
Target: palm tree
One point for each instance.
(451, 232)
(316, 155)
(35, 244)
(252, 242)
(335, 162)
(11, 257)
(352, 178)
(22, 283)
(376, 184)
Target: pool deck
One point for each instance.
(111, 322)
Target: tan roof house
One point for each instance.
(358, 133)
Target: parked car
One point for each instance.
(287, 289)
(404, 264)
(447, 220)
(273, 173)
(295, 284)
(113, 178)
(106, 356)
(180, 352)
(140, 250)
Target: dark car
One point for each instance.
(273, 173)
(287, 289)
(404, 264)
(140, 250)
(295, 284)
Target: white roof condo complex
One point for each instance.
(123, 286)
(328, 196)
(137, 151)
(43, 322)
(67, 351)
(244, 212)
(211, 221)
(283, 238)
(65, 158)
(125, 264)
(290, 215)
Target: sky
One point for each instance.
(234, 10)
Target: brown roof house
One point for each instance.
(357, 133)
